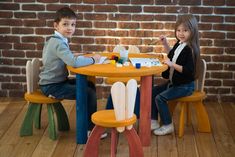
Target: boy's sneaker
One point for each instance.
(154, 124)
(104, 135)
(164, 130)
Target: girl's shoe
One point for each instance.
(164, 130)
(104, 135)
(154, 124)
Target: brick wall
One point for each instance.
(102, 24)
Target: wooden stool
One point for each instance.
(36, 99)
(106, 119)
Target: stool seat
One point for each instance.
(38, 97)
(196, 96)
(106, 118)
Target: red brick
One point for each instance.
(230, 83)
(34, 23)
(213, 35)
(95, 16)
(151, 25)
(221, 75)
(11, 22)
(34, 39)
(33, 54)
(127, 25)
(211, 50)
(33, 7)
(91, 32)
(6, 14)
(70, 1)
(105, 24)
(82, 8)
(130, 41)
(107, 41)
(44, 31)
(120, 17)
(5, 30)
(224, 10)
(230, 50)
(19, 79)
(13, 53)
(5, 46)
(21, 62)
(139, 33)
(83, 40)
(213, 19)
(165, 17)
(154, 9)
(130, 9)
(117, 33)
(142, 17)
(9, 70)
(6, 61)
(230, 2)
(201, 10)
(22, 31)
(231, 35)
(145, 2)
(118, 1)
(224, 58)
(11, 39)
(213, 82)
(173, 9)
(230, 67)
(105, 8)
(205, 42)
(21, 46)
(93, 48)
(189, 2)
(214, 2)
(165, 2)
(94, 1)
(214, 66)
(3, 93)
(224, 43)
(204, 26)
(25, 15)
(43, 15)
(54, 7)
(9, 6)
(224, 27)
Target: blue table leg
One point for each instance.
(81, 109)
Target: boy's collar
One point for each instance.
(61, 36)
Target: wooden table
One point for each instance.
(109, 70)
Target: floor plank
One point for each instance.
(218, 143)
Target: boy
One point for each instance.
(54, 80)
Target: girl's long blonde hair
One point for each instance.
(190, 22)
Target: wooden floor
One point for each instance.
(220, 143)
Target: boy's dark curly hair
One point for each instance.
(65, 12)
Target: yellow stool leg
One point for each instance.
(188, 115)
(202, 117)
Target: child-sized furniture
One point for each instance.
(119, 120)
(195, 100)
(35, 99)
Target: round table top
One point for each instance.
(110, 70)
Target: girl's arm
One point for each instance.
(177, 67)
(167, 48)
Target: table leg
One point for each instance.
(81, 109)
(145, 110)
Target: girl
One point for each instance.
(182, 69)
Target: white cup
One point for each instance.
(124, 55)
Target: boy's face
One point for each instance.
(66, 27)
(183, 33)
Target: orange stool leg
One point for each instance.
(92, 145)
(182, 118)
(135, 146)
(202, 117)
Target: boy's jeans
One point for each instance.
(164, 93)
(67, 90)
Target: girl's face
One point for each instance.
(183, 33)
(66, 27)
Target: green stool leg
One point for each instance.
(37, 117)
(27, 125)
(52, 129)
(62, 118)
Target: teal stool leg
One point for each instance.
(62, 118)
(37, 117)
(27, 125)
(52, 129)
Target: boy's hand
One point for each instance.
(96, 58)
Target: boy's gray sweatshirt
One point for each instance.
(56, 55)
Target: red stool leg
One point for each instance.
(114, 142)
(135, 146)
(92, 145)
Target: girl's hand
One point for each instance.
(163, 39)
(168, 62)
(96, 58)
